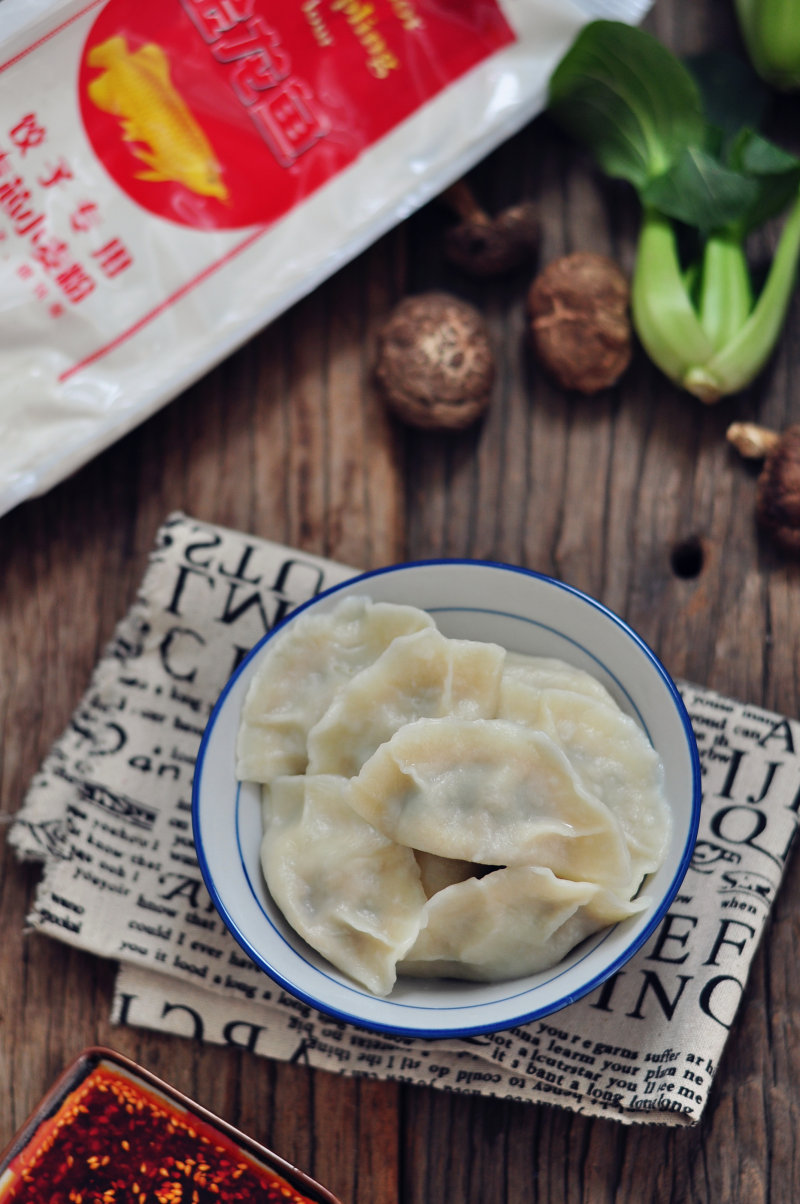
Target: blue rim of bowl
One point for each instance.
(508, 1022)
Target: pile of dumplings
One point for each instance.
(443, 807)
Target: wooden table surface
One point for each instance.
(633, 496)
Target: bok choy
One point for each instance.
(685, 137)
(771, 30)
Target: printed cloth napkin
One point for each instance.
(108, 815)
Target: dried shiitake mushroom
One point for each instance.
(778, 488)
(489, 246)
(581, 330)
(435, 364)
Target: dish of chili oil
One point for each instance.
(115, 1141)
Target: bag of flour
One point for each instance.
(175, 173)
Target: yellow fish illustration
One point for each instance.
(136, 87)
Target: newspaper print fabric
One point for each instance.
(109, 816)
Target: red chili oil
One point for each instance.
(114, 1141)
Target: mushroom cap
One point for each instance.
(486, 246)
(578, 307)
(778, 490)
(435, 364)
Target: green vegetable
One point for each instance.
(771, 30)
(685, 136)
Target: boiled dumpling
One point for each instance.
(488, 790)
(419, 675)
(547, 673)
(438, 872)
(300, 672)
(352, 894)
(509, 923)
(611, 755)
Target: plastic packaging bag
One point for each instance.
(175, 173)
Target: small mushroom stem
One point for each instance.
(752, 441)
(485, 245)
(461, 200)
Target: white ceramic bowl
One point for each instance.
(476, 600)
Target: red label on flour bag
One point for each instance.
(225, 113)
